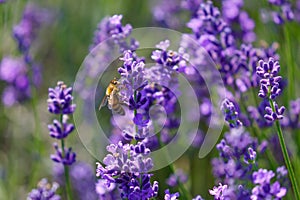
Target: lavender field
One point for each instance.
(141, 99)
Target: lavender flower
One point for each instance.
(268, 51)
(140, 95)
(64, 156)
(120, 162)
(82, 179)
(247, 58)
(244, 64)
(272, 116)
(198, 197)
(219, 192)
(178, 177)
(60, 130)
(26, 31)
(231, 8)
(247, 27)
(237, 156)
(169, 64)
(231, 115)
(262, 176)
(268, 72)
(163, 87)
(168, 13)
(233, 14)
(137, 102)
(285, 12)
(297, 12)
(110, 33)
(14, 72)
(280, 13)
(295, 106)
(106, 192)
(292, 119)
(132, 74)
(111, 27)
(258, 113)
(126, 166)
(250, 156)
(141, 120)
(140, 188)
(210, 18)
(165, 12)
(216, 37)
(137, 127)
(269, 88)
(133, 80)
(191, 5)
(235, 167)
(281, 173)
(162, 78)
(168, 58)
(169, 196)
(264, 189)
(222, 192)
(60, 102)
(163, 96)
(60, 99)
(44, 191)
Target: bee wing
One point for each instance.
(120, 111)
(103, 102)
(114, 100)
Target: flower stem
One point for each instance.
(66, 172)
(135, 113)
(286, 155)
(134, 97)
(184, 192)
(66, 168)
(261, 136)
(290, 63)
(37, 131)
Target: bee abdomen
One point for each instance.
(118, 109)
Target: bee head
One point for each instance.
(114, 81)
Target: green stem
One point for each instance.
(261, 135)
(36, 140)
(290, 63)
(37, 129)
(134, 97)
(66, 168)
(184, 192)
(254, 96)
(67, 176)
(135, 113)
(286, 155)
(191, 168)
(291, 67)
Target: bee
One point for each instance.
(112, 98)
